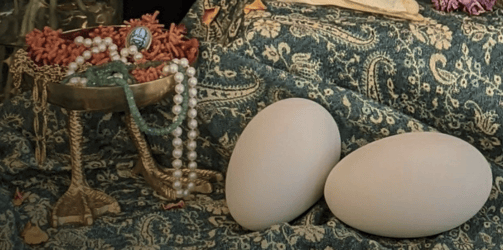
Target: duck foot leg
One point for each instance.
(161, 180)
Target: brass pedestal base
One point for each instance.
(82, 204)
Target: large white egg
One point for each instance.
(409, 185)
(280, 163)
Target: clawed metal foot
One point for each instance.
(80, 204)
(161, 180)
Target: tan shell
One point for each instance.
(33, 235)
(406, 9)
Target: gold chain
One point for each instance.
(42, 76)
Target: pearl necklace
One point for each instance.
(185, 101)
(100, 45)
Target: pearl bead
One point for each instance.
(173, 68)
(165, 70)
(70, 72)
(186, 193)
(192, 145)
(124, 52)
(184, 62)
(179, 88)
(102, 47)
(191, 71)
(192, 92)
(87, 55)
(192, 165)
(75, 80)
(124, 60)
(176, 60)
(116, 57)
(191, 186)
(80, 60)
(192, 102)
(138, 56)
(177, 153)
(192, 124)
(73, 66)
(192, 155)
(177, 163)
(178, 99)
(192, 82)
(108, 41)
(178, 77)
(133, 49)
(177, 142)
(79, 40)
(177, 109)
(83, 81)
(88, 42)
(118, 75)
(97, 40)
(95, 50)
(177, 185)
(192, 134)
(179, 193)
(177, 173)
(177, 132)
(192, 176)
(192, 113)
(113, 47)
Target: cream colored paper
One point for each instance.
(407, 9)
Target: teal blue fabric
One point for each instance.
(377, 76)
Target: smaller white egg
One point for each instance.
(409, 185)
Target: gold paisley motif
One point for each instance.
(222, 95)
(313, 27)
(371, 74)
(485, 121)
(443, 76)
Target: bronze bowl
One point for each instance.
(106, 99)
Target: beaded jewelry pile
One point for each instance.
(52, 47)
(116, 73)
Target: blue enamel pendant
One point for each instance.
(140, 36)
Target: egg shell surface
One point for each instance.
(409, 185)
(280, 163)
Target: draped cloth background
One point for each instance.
(377, 76)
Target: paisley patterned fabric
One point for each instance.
(377, 76)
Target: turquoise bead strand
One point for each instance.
(158, 131)
(101, 76)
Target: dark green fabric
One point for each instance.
(377, 76)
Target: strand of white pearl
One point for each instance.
(100, 45)
(192, 124)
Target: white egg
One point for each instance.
(409, 185)
(280, 163)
